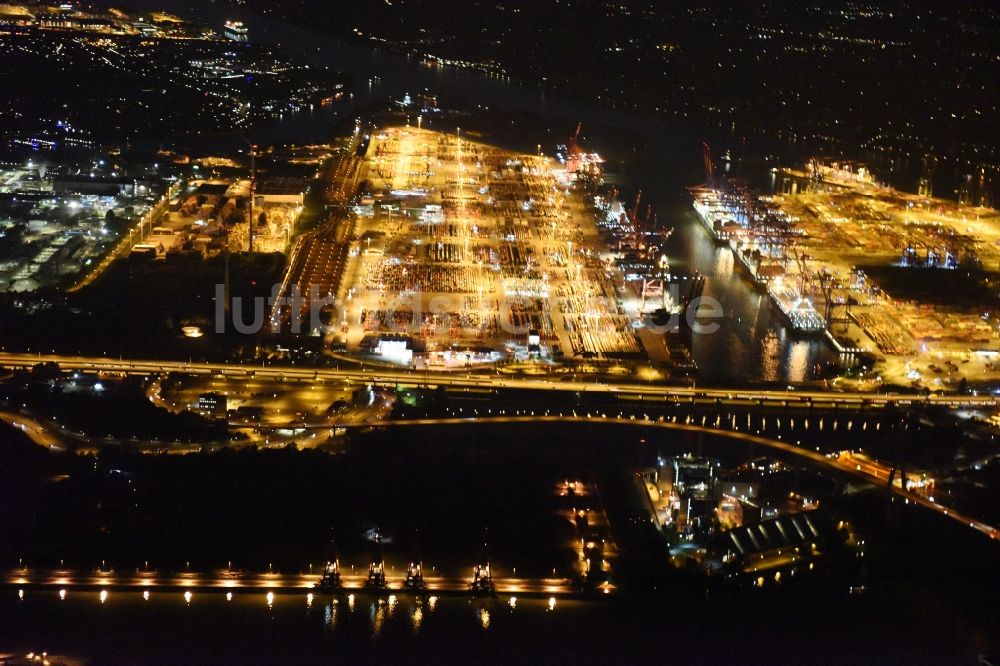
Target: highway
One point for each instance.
(382, 376)
(35, 431)
(869, 473)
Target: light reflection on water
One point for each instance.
(798, 361)
(330, 616)
(137, 621)
(165, 630)
(751, 342)
(377, 613)
(328, 610)
(417, 617)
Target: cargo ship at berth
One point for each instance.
(728, 224)
(713, 215)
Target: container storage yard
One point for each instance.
(907, 280)
(473, 252)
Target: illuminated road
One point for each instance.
(881, 472)
(381, 376)
(36, 432)
(846, 466)
(125, 243)
(226, 580)
(870, 473)
(243, 581)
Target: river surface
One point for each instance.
(647, 152)
(252, 628)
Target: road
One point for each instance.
(870, 473)
(225, 580)
(382, 376)
(246, 581)
(881, 471)
(148, 220)
(35, 431)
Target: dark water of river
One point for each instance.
(290, 628)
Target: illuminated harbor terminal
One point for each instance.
(467, 253)
(759, 246)
(904, 278)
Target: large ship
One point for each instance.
(580, 166)
(713, 214)
(732, 217)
